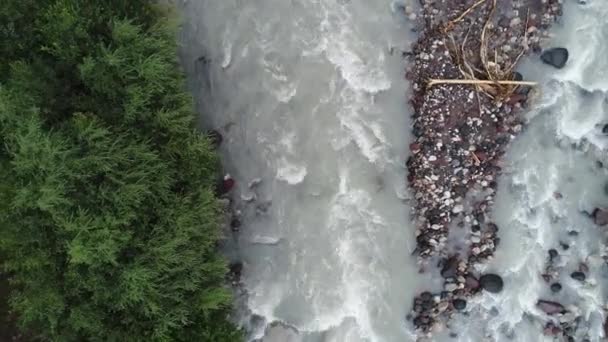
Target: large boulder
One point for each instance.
(556, 57)
(491, 282)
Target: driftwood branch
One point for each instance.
(434, 81)
(451, 23)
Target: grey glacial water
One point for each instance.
(310, 98)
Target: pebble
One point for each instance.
(556, 287)
(550, 307)
(459, 304)
(451, 287)
(471, 283)
(515, 21)
(458, 209)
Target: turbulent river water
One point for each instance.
(310, 98)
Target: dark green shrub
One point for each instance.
(108, 221)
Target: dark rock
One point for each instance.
(459, 304)
(491, 282)
(556, 287)
(600, 216)
(225, 185)
(573, 233)
(564, 246)
(492, 228)
(504, 22)
(553, 254)
(605, 129)
(235, 224)
(550, 307)
(517, 76)
(236, 268)
(426, 296)
(580, 276)
(450, 268)
(556, 57)
(215, 138)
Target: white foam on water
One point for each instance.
(290, 172)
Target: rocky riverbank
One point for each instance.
(467, 102)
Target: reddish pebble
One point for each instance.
(516, 99)
(471, 283)
(226, 185)
(415, 148)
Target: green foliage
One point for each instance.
(108, 222)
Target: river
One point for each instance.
(310, 98)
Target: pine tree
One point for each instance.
(108, 221)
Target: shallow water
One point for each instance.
(311, 99)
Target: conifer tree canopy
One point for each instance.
(108, 221)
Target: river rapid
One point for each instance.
(311, 101)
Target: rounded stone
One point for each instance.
(459, 304)
(556, 57)
(553, 254)
(580, 276)
(491, 282)
(556, 287)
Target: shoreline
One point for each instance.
(462, 132)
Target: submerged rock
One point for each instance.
(549, 307)
(491, 282)
(553, 254)
(556, 57)
(556, 287)
(459, 304)
(580, 276)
